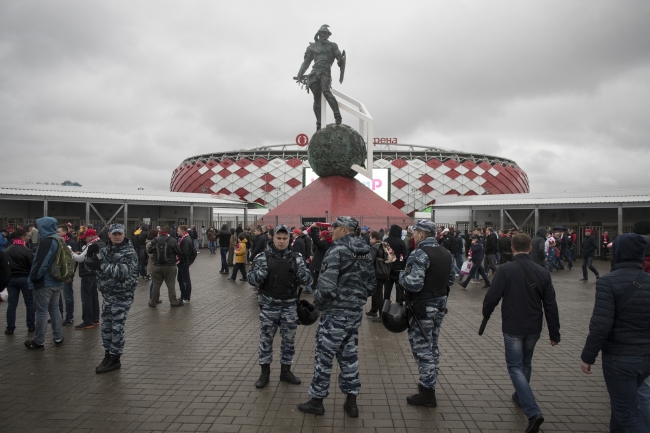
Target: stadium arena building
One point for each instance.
(409, 176)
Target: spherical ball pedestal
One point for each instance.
(334, 149)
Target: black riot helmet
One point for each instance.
(394, 317)
(307, 313)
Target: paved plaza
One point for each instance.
(193, 369)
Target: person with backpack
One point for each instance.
(68, 294)
(278, 272)
(116, 267)
(382, 273)
(394, 240)
(20, 260)
(89, 295)
(523, 307)
(183, 262)
(164, 250)
(46, 283)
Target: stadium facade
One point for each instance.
(268, 175)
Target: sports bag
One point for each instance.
(63, 267)
(389, 254)
(382, 266)
(467, 266)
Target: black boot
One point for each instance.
(534, 423)
(112, 364)
(264, 376)
(464, 283)
(314, 405)
(426, 397)
(287, 376)
(350, 406)
(107, 357)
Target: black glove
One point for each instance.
(93, 249)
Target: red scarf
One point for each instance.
(19, 242)
(65, 238)
(163, 234)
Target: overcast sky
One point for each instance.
(118, 93)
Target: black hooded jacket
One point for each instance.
(616, 328)
(538, 253)
(398, 246)
(259, 245)
(224, 237)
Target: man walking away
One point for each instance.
(491, 246)
(620, 328)
(589, 248)
(89, 295)
(538, 244)
(183, 262)
(67, 291)
(477, 264)
(394, 240)
(565, 252)
(20, 259)
(116, 266)
(164, 251)
(224, 245)
(377, 252)
(45, 289)
(347, 280)
(522, 313)
(429, 273)
(505, 246)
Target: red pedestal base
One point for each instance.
(338, 196)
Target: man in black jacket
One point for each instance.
(522, 315)
(20, 260)
(185, 259)
(491, 245)
(538, 251)
(505, 246)
(394, 240)
(321, 241)
(259, 244)
(164, 250)
(477, 264)
(89, 294)
(223, 237)
(564, 250)
(588, 250)
(620, 328)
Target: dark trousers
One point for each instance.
(623, 377)
(184, 282)
(565, 255)
(587, 263)
(68, 294)
(14, 288)
(89, 300)
(378, 297)
(605, 251)
(224, 259)
(314, 284)
(388, 290)
(477, 269)
(239, 267)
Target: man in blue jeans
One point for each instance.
(620, 328)
(45, 288)
(20, 260)
(528, 294)
(68, 294)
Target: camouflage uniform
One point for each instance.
(341, 298)
(277, 312)
(117, 277)
(426, 353)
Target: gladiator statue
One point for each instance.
(322, 52)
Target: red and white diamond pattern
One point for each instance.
(415, 183)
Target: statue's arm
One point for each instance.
(337, 54)
(308, 59)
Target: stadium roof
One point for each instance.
(99, 195)
(586, 199)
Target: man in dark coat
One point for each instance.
(322, 241)
(223, 237)
(491, 246)
(259, 244)
(505, 244)
(588, 250)
(620, 328)
(538, 251)
(478, 255)
(394, 240)
(522, 312)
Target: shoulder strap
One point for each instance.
(636, 284)
(529, 279)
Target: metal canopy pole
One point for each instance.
(471, 219)
(126, 214)
(191, 215)
(620, 218)
(246, 216)
(501, 225)
(45, 206)
(87, 213)
(536, 218)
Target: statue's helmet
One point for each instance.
(324, 29)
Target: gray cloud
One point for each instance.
(135, 87)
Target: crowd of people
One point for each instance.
(345, 267)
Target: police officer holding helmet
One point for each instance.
(428, 274)
(278, 272)
(347, 279)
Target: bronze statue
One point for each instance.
(322, 52)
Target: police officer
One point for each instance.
(278, 272)
(116, 266)
(428, 274)
(347, 279)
